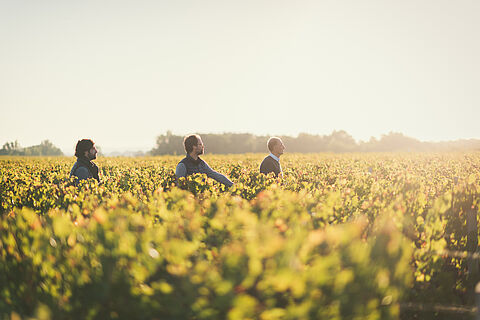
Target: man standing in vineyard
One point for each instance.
(84, 168)
(193, 164)
(271, 163)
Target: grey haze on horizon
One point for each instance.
(124, 72)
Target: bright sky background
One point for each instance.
(123, 72)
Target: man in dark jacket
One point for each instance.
(271, 163)
(84, 168)
(193, 164)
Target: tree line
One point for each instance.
(45, 148)
(337, 142)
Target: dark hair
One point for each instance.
(190, 141)
(272, 142)
(82, 146)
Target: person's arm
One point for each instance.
(280, 172)
(216, 175)
(181, 170)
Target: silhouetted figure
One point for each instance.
(271, 163)
(193, 164)
(84, 168)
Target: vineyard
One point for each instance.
(352, 236)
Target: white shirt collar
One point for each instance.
(275, 157)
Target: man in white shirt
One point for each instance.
(271, 163)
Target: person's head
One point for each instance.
(193, 144)
(276, 146)
(86, 148)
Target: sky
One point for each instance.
(123, 72)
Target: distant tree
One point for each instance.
(395, 141)
(46, 148)
(11, 148)
(99, 150)
(341, 141)
(368, 146)
(305, 143)
(337, 141)
(168, 144)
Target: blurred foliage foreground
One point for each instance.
(340, 237)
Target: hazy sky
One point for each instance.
(123, 72)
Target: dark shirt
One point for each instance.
(85, 169)
(270, 165)
(189, 166)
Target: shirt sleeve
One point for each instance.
(217, 176)
(181, 170)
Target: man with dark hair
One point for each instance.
(84, 168)
(271, 163)
(193, 164)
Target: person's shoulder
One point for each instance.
(182, 162)
(266, 163)
(202, 162)
(180, 170)
(74, 168)
(268, 158)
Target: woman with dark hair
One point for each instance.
(84, 168)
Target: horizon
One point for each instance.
(123, 73)
(133, 149)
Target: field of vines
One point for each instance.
(351, 236)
